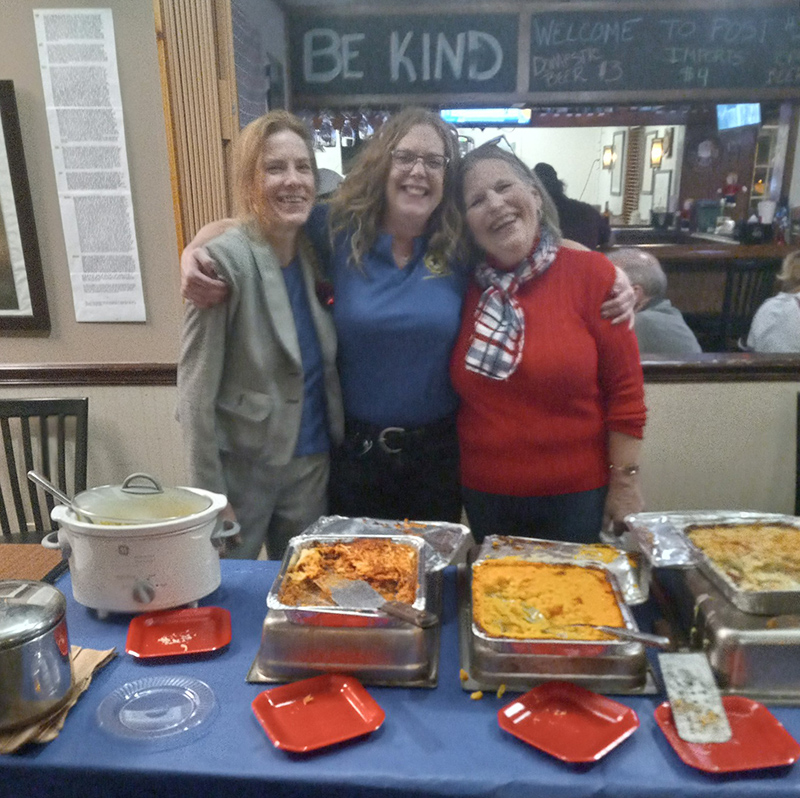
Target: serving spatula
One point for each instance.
(356, 594)
(623, 633)
(694, 698)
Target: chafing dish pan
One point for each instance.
(402, 655)
(333, 615)
(750, 654)
(761, 602)
(609, 667)
(495, 547)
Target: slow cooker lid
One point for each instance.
(140, 498)
(27, 610)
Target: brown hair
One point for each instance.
(359, 204)
(247, 194)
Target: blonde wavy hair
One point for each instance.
(789, 275)
(359, 205)
(248, 196)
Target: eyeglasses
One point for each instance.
(407, 160)
(501, 142)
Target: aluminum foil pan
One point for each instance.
(681, 552)
(444, 541)
(331, 614)
(632, 577)
(535, 550)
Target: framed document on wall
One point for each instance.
(647, 170)
(23, 303)
(662, 185)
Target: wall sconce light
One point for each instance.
(656, 153)
(609, 157)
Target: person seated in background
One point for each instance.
(660, 327)
(579, 221)
(776, 325)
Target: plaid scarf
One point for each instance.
(496, 346)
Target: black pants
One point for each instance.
(397, 474)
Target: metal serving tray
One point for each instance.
(331, 614)
(609, 667)
(402, 655)
(445, 540)
(762, 602)
(750, 654)
(496, 547)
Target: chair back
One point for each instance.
(49, 436)
(746, 287)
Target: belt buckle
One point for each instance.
(382, 440)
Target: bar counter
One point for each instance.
(434, 742)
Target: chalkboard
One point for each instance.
(612, 51)
(359, 54)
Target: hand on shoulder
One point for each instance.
(200, 283)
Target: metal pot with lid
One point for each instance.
(139, 547)
(35, 667)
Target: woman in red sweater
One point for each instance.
(552, 397)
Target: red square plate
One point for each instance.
(316, 712)
(568, 722)
(192, 630)
(758, 741)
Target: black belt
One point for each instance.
(394, 440)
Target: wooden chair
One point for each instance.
(49, 436)
(747, 284)
(745, 289)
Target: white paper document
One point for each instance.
(78, 62)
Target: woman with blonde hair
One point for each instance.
(776, 325)
(258, 391)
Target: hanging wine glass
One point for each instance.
(327, 132)
(365, 129)
(347, 135)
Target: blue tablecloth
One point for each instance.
(433, 743)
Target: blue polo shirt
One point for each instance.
(314, 436)
(396, 330)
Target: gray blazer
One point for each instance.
(240, 375)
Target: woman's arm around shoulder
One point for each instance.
(200, 283)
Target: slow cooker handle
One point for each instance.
(50, 541)
(225, 529)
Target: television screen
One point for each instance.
(502, 117)
(738, 115)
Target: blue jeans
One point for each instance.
(571, 517)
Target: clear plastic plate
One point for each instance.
(161, 711)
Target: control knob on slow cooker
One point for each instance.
(143, 592)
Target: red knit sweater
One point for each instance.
(543, 431)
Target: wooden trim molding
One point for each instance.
(87, 374)
(711, 367)
(722, 367)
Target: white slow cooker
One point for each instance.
(157, 563)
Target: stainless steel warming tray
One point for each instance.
(611, 666)
(758, 602)
(397, 655)
(750, 654)
(331, 614)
